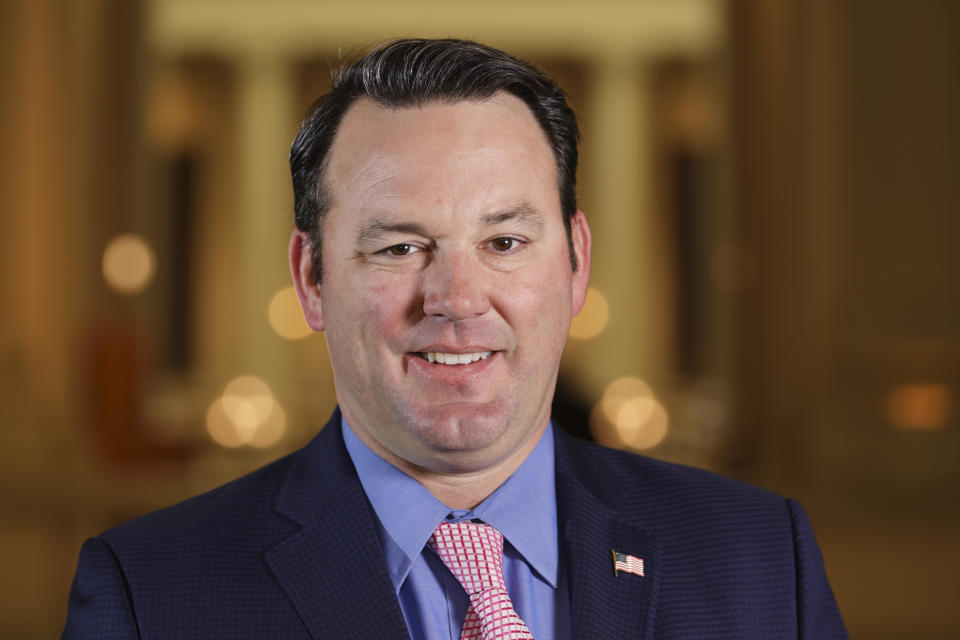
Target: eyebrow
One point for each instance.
(377, 228)
(523, 213)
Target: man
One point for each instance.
(439, 246)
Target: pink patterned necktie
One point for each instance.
(473, 552)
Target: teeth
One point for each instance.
(455, 358)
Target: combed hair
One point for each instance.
(413, 72)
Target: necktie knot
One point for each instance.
(473, 552)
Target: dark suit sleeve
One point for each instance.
(100, 605)
(817, 612)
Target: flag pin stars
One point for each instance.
(626, 563)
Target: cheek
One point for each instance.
(368, 322)
(539, 308)
(387, 306)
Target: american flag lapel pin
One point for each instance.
(626, 563)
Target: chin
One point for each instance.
(460, 427)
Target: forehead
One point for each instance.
(386, 152)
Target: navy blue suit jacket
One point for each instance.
(291, 551)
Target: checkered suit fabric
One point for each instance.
(292, 551)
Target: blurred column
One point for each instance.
(34, 339)
(266, 97)
(790, 175)
(626, 252)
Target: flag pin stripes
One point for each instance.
(626, 563)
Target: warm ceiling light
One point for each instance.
(919, 407)
(593, 317)
(246, 414)
(128, 264)
(286, 317)
(629, 416)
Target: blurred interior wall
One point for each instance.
(847, 320)
(826, 304)
(69, 86)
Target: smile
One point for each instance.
(454, 358)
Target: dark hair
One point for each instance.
(411, 72)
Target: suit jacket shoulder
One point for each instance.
(722, 559)
(292, 551)
(239, 510)
(288, 551)
(653, 494)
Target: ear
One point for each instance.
(580, 237)
(301, 260)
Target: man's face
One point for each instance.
(447, 291)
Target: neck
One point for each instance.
(464, 490)
(468, 489)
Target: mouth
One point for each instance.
(453, 359)
(445, 369)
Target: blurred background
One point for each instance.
(772, 187)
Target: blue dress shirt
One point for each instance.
(523, 509)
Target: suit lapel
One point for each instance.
(333, 569)
(334, 573)
(602, 604)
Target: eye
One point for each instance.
(400, 250)
(504, 244)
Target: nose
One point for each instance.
(454, 287)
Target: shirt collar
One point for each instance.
(523, 509)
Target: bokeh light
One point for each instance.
(628, 415)
(592, 319)
(128, 264)
(919, 407)
(286, 317)
(246, 414)
(271, 430)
